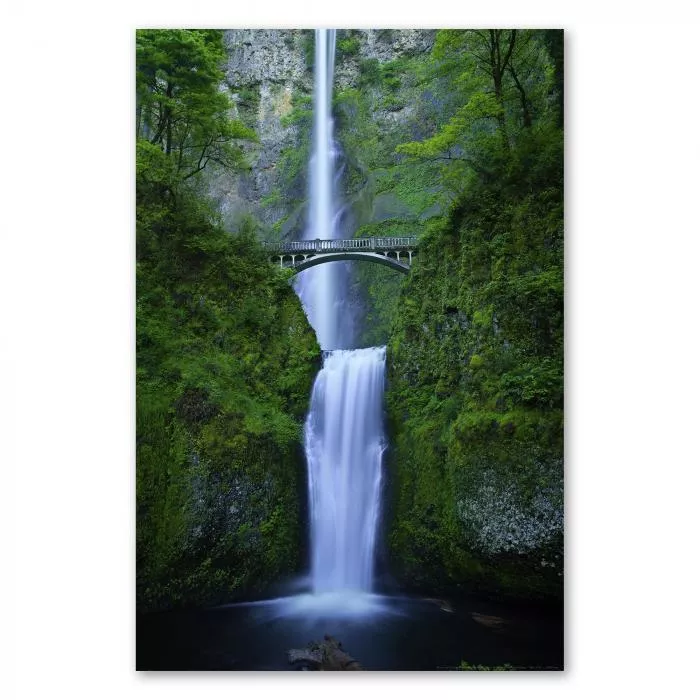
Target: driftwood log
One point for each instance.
(324, 656)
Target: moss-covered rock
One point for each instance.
(225, 363)
(475, 395)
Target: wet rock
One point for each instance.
(327, 655)
(388, 44)
(490, 621)
(265, 55)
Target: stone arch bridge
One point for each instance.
(396, 253)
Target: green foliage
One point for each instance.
(180, 107)
(292, 166)
(501, 83)
(226, 358)
(460, 129)
(359, 133)
(272, 199)
(301, 114)
(475, 352)
(390, 197)
(370, 74)
(225, 362)
(247, 101)
(347, 45)
(308, 43)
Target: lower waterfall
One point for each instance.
(344, 444)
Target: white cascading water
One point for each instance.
(344, 446)
(344, 438)
(318, 287)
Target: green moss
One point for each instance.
(225, 364)
(301, 114)
(370, 73)
(307, 43)
(248, 101)
(347, 45)
(475, 362)
(475, 378)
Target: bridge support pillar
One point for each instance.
(281, 260)
(410, 258)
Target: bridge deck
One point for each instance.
(343, 245)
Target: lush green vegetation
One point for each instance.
(393, 102)
(464, 146)
(293, 165)
(225, 356)
(476, 352)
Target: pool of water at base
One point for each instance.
(383, 633)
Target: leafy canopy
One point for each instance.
(181, 108)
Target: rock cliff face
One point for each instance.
(269, 73)
(265, 69)
(389, 44)
(259, 56)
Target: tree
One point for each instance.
(181, 108)
(494, 54)
(504, 80)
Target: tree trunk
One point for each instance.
(498, 68)
(168, 121)
(527, 117)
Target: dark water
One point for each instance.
(384, 634)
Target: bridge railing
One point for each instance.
(319, 245)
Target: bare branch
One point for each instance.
(513, 34)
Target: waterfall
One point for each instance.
(344, 445)
(323, 289)
(344, 438)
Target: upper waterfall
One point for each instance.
(323, 290)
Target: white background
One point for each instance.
(67, 336)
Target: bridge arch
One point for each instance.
(341, 256)
(312, 252)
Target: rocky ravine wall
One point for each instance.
(270, 73)
(265, 68)
(458, 520)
